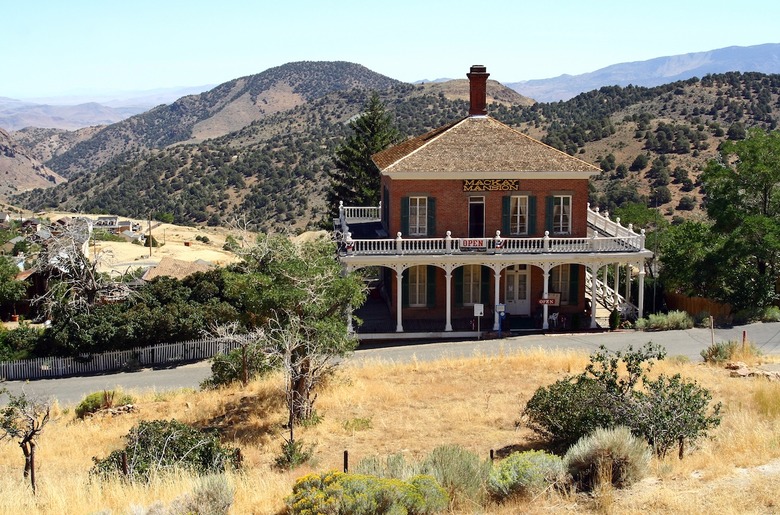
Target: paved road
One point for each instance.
(686, 343)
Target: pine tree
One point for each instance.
(355, 178)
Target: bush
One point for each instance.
(293, 455)
(672, 412)
(757, 314)
(721, 352)
(159, 446)
(227, 369)
(102, 400)
(526, 474)
(674, 320)
(459, 471)
(337, 492)
(568, 409)
(614, 319)
(213, 495)
(612, 454)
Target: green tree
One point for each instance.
(355, 178)
(742, 191)
(11, 290)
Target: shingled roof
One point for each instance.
(478, 144)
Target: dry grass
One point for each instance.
(379, 409)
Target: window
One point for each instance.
(418, 280)
(559, 282)
(561, 214)
(418, 216)
(472, 284)
(518, 215)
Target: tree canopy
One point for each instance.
(355, 178)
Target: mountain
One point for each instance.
(272, 137)
(654, 72)
(76, 112)
(19, 171)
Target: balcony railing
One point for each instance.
(617, 239)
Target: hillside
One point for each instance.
(20, 171)
(651, 142)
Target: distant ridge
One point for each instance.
(654, 72)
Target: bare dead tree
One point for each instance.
(23, 419)
(74, 281)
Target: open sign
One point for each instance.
(553, 299)
(473, 243)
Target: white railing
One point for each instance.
(164, 353)
(352, 214)
(608, 297)
(601, 222)
(497, 245)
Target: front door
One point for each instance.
(476, 217)
(516, 290)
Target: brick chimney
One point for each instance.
(478, 88)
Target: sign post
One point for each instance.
(501, 310)
(479, 310)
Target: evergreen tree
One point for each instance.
(355, 178)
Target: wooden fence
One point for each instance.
(696, 305)
(162, 354)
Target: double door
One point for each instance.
(517, 282)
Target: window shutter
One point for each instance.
(404, 216)
(431, 216)
(548, 215)
(386, 208)
(574, 284)
(531, 215)
(484, 294)
(430, 294)
(405, 288)
(458, 286)
(506, 203)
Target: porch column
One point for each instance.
(617, 284)
(399, 327)
(546, 291)
(628, 283)
(448, 283)
(497, 275)
(594, 270)
(604, 286)
(641, 299)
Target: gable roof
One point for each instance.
(478, 145)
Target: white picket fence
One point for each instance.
(162, 354)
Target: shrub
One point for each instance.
(674, 320)
(213, 495)
(757, 314)
(159, 446)
(97, 401)
(568, 409)
(459, 471)
(614, 319)
(337, 492)
(228, 368)
(672, 412)
(293, 455)
(721, 352)
(394, 466)
(526, 474)
(613, 454)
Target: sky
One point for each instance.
(95, 47)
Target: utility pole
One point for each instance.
(150, 234)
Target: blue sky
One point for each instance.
(56, 48)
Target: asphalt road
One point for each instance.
(688, 343)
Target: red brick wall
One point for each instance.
(452, 213)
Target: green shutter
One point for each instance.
(431, 216)
(531, 215)
(405, 288)
(430, 293)
(506, 203)
(458, 286)
(385, 208)
(484, 294)
(574, 284)
(404, 216)
(548, 215)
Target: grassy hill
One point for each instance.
(381, 409)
